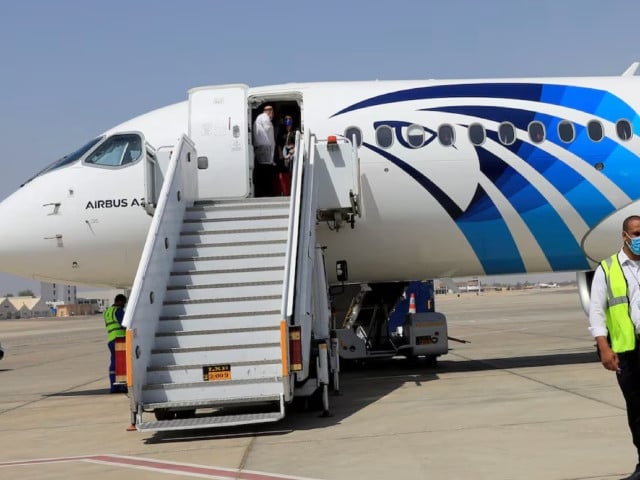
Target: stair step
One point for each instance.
(217, 356)
(222, 305)
(198, 383)
(168, 368)
(235, 235)
(274, 400)
(217, 338)
(222, 321)
(192, 375)
(230, 275)
(254, 202)
(210, 422)
(210, 391)
(223, 290)
(272, 221)
(229, 262)
(267, 210)
(232, 248)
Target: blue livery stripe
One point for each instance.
(589, 100)
(494, 246)
(497, 253)
(556, 241)
(564, 178)
(436, 192)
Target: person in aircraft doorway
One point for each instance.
(264, 144)
(285, 145)
(113, 317)
(614, 319)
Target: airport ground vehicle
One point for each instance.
(392, 319)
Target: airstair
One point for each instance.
(228, 317)
(219, 332)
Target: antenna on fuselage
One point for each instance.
(631, 71)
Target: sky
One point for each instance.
(70, 69)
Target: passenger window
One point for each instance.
(595, 130)
(446, 135)
(384, 136)
(351, 131)
(476, 134)
(415, 136)
(507, 133)
(117, 151)
(566, 132)
(536, 132)
(623, 127)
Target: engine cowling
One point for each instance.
(584, 288)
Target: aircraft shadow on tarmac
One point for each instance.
(365, 384)
(507, 363)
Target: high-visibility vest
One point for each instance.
(114, 329)
(622, 332)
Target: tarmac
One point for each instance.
(525, 399)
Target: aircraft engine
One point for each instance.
(584, 288)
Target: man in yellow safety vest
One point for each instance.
(113, 317)
(614, 318)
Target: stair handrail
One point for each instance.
(303, 305)
(299, 160)
(179, 190)
(306, 239)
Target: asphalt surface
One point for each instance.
(525, 399)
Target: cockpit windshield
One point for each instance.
(117, 151)
(67, 159)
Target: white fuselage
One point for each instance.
(429, 208)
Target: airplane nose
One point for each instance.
(24, 248)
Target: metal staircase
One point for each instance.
(228, 318)
(221, 312)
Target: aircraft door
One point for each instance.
(153, 178)
(218, 125)
(338, 172)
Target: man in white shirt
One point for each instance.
(614, 318)
(264, 143)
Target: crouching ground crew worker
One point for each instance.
(614, 318)
(113, 317)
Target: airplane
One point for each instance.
(447, 178)
(548, 285)
(455, 179)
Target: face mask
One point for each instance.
(634, 244)
(288, 122)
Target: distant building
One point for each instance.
(101, 299)
(58, 293)
(75, 309)
(23, 307)
(7, 310)
(29, 307)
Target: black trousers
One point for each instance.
(629, 381)
(264, 176)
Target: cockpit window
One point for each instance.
(67, 159)
(117, 151)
